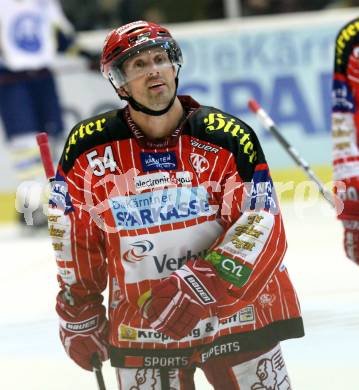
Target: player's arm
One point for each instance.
(254, 243)
(345, 133)
(82, 270)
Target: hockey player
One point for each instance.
(29, 101)
(172, 204)
(345, 131)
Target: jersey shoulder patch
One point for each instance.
(91, 132)
(224, 130)
(345, 40)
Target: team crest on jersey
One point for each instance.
(199, 162)
(266, 299)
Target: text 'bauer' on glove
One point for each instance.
(85, 334)
(176, 304)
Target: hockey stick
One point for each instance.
(270, 125)
(45, 153)
(43, 142)
(97, 369)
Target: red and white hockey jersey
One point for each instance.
(345, 117)
(131, 211)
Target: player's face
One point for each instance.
(151, 78)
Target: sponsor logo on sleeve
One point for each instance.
(117, 296)
(59, 231)
(260, 193)
(55, 232)
(229, 269)
(158, 161)
(247, 237)
(59, 196)
(58, 246)
(342, 97)
(67, 274)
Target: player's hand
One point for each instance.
(84, 335)
(351, 240)
(177, 303)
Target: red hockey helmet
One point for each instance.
(131, 39)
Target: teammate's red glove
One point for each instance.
(351, 240)
(84, 335)
(177, 303)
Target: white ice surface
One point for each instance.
(32, 358)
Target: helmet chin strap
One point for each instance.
(140, 107)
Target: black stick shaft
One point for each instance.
(97, 369)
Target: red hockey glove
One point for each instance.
(177, 303)
(351, 240)
(84, 335)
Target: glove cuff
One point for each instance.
(83, 318)
(195, 284)
(84, 326)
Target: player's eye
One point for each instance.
(139, 64)
(160, 59)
